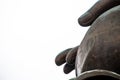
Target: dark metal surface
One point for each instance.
(96, 10)
(100, 48)
(98, 75)
(98, 39)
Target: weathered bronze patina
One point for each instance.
(68, 56)
(100, 48)
(96, 10)
(98, 75)
(98, 55)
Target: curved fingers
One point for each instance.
(71, 56)
(61, 57)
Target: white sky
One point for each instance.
(33, 32)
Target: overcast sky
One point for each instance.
(33, 32)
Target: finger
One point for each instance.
(68, 68)
(60, 58)
(71, 56)
(100, 7)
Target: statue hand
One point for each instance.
(68, 57)
(96, 10)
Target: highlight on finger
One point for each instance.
(71, 56)
(61, 57)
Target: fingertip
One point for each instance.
(96, 10)
(59, 60)
(68, 68)
(58, 63)
(85, 20)
(61, 57)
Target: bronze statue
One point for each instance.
(96, 10)
(100, 47)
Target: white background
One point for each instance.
(33, 32)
